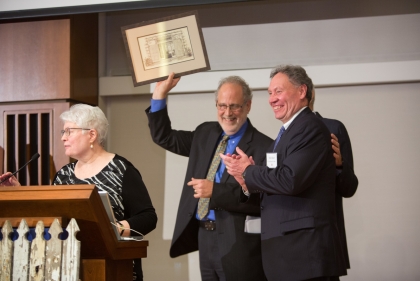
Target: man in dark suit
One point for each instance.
(226, 251)
(300, 239)
(346, 181)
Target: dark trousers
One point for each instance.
(210, 259)
(137, 270)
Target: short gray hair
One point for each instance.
(246, 91)
(89, 117)
(297, 76)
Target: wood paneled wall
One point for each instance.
(50, 59)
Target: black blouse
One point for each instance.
(127, 192)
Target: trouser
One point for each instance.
(210, 259)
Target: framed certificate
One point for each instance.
(172, 44)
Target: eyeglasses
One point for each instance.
(232, 107)
(67, 131)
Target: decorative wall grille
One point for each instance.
(27, 133)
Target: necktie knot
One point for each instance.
(225, 138)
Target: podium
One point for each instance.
(103, 257)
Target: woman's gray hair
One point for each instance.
(89, 117)
(246, 91)
(297, 76)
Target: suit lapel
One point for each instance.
(209, 148)
(303, 113)
(285, 134)
(246, 138)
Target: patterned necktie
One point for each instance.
(203, 203)
(279, 136)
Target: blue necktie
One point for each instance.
(279, 136)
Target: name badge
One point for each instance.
(272, 160)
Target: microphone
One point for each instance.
(34, 157)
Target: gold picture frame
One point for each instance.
(158, 47)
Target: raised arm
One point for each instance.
(163, 87)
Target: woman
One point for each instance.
(83, 135)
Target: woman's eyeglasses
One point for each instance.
(67, 131)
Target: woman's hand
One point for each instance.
(8, 180)
(123, 228)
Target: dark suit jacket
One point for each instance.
(299, 232)
(241, 252)
(346, 181)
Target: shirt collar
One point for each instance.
(287, 124)
(239, 133)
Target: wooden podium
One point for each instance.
(103, 256)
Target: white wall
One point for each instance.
(321, 42)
